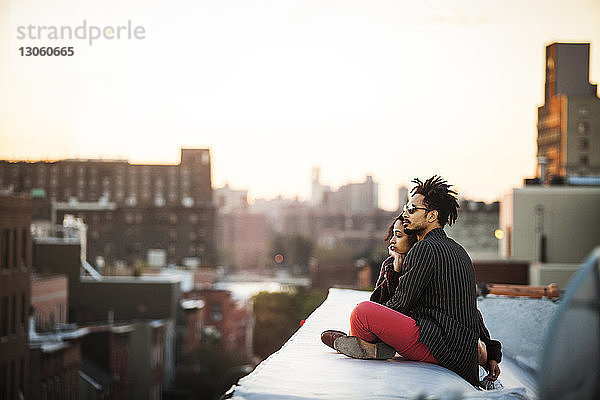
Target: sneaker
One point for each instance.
(355, 347)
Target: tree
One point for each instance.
(295, 249)
(207, 373)
(278, 315)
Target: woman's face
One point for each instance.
(399, 242)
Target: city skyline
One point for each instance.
(392, 90)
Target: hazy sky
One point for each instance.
(394, 89)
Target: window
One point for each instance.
(11, 380)
(14, 252)
(24, 248)
(4, 317)
(3, 380)
(14, 249)
(22, 376)
(159, 200)
(24, 312)
(583, 143)
(584, 111)
(583, 160)
(205, 158)
(4, 249)
(215, 312)
(582, 127)
(13, 315)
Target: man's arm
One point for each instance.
(418, 270)
(494, 347)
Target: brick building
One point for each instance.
(49, 300)
(55, 361)
(190, 321)
(243, 239)
(226, 322)
(15, 264)
(129, 208)
(147, 360)
(104, 353)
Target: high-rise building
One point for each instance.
(316, 193)
(569, 121)
(227, 199)
(130, 210)
(15, 266)
(402, 197)
(354, 197)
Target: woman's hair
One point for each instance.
(437, 195)
(412, 239)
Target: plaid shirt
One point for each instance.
(386, 283)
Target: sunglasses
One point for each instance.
(413, 209)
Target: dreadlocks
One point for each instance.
(438, 196)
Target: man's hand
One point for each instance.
(493, 370)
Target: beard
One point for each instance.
(411, 231)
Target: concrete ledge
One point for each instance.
(304, 368)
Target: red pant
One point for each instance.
(373, 322)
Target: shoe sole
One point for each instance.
(355, 347)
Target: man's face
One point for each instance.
(419, 219)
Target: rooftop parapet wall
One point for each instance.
(304, 368)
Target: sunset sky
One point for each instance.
(393, 89)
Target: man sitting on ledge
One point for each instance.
(432, 315)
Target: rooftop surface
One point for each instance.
(304, 368)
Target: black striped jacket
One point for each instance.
(386, 287)
(437, 290)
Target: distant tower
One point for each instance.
(402, 197)
(569, 121)
(316, 198)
